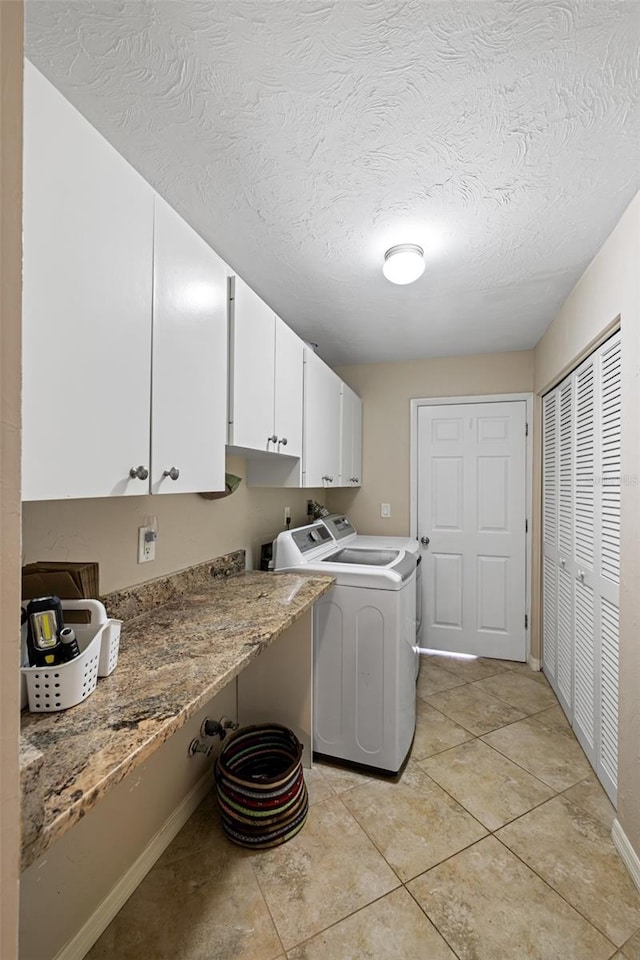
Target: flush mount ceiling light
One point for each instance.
(403, 263)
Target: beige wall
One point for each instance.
(610, 288)
(190, 529)
(386, 389)
(10, 299)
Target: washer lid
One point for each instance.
(370, 558)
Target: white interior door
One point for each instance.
(472, 507)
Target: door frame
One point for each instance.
(527, 398)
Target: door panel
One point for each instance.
(471, 503)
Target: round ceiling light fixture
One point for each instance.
(403, 263)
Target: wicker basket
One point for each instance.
(260, 786)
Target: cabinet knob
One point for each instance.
(354, 479)
(272, 439)
(283, 442)
(138, 473)
(328, 478)
(174, 473)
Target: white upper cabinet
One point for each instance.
(251, 369)
(289, 369)
(189, 398)
(266, 367)
(321, 456)
(88, 247)
(109, 299)
(351, 438)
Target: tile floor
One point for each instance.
(494, 844)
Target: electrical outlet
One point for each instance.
(287, 515)
(385, 510)
(147, 537)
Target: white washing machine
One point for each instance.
(342, 530)
(364, 646)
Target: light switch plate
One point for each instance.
(385, 510)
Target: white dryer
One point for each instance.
(364, 646)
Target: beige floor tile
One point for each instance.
(589, 795)
(413, 823)
(203, 906)
(326, 872)
(474, 710)
(393, 928)
(343, 778)
(435, 732)
(318, 787)
(490, 906)
(553, 755)
(434, 679)
(468, 670)
(574, 853)
(525, 670)
(631, 949)
(518, 691)
(495, 790)
(552, 718)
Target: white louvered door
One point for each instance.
(581, 551)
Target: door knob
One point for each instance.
(174, 473)
(425, 541)
(138, 473)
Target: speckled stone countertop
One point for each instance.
(172, 660)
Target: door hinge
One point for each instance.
(526, 622)
(526, 429)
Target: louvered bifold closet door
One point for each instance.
(550, 536)
(609, 580)
(565, 546)
(585, 520)
(581, 552)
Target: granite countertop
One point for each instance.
(172, 660)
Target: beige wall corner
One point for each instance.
(386, 389)
(11, 26)
(608, 293)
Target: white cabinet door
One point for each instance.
(321, 445)
(351, 438)
(88, 246)
(289, 366)
(252, 364)
(189, 399)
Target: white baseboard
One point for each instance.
(98, 922)
(534, 663)
(628, 855)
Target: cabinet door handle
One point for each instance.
(139, 473)
(328, 478)
(283, 442)
(354, 479)
(272, 439)
(174, 473)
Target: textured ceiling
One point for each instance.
(302, 138)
